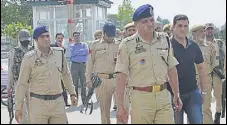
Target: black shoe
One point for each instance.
(217, 118)
(115, 107)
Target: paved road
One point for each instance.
(75, 117)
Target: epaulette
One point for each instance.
(57, 48)
(31, 53)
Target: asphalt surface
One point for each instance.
(75, 117)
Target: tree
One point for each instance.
(12, 30)
(125, 12)
(113, 18)
(163, 21)
(15, 11)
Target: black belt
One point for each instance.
(45, 97)
(79, 62)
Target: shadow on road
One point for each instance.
(73, 108)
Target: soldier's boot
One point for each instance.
(217, 118)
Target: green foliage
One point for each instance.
(163, 21)
(12, 30)
(15, 11)
(125, 12)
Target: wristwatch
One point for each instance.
(203, 93)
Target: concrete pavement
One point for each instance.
(75, 117)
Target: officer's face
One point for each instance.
(180, 29)
(210, 31)
(118, 34)
(130, 31)
(145, 25)
(59, 39)
(199, 35)
(44, 40)
(98, 36)
(108, 39)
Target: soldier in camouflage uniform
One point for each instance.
(15, 59)
(220, 48)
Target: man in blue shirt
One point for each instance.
(188, 54)
(79, 52)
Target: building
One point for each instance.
(88, 16)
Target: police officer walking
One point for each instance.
(102, 61)
(220, 49)
(144, 59)
(15, 60)
(209, 56)
(130, 30)
(41, 72)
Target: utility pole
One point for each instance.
(71, 20)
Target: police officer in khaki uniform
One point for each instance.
(102, 61)
(41, 72)
(209, 55)
(217, 81)
(166, 28)
(15, 60)
(130, 30)
(147, 61)
(98, 34)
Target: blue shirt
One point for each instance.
(187, 58)
(79, 52)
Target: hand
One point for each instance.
(18, 115)
(74, 100)
(122, 114)
(89, 84)
(177, 102)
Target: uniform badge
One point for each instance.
(142, 61)
(46, 28)
(38, 62)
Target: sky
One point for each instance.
(198, 11)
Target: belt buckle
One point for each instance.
(106, 76)
(156, 88)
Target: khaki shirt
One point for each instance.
(145, 64)
(101, 58)
(44, 74)
(10, 65)
(209, 56)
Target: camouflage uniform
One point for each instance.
(15, 60)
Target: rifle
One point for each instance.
(223, 98)
(10, 108)
(96, 81)
(217, 70)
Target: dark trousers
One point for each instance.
(78, 74)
